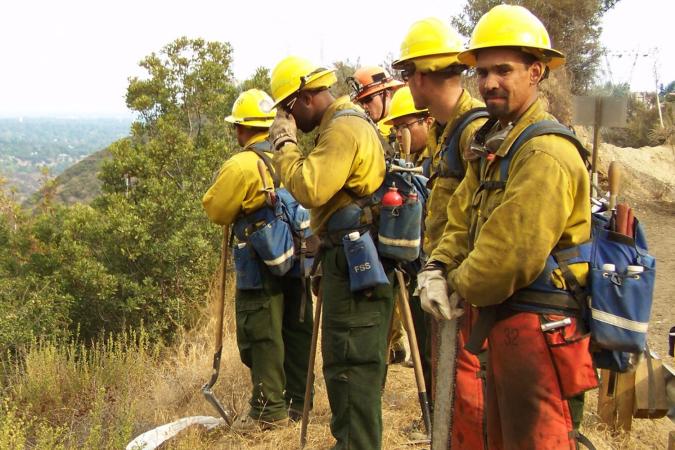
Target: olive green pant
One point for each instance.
(354, 346)
(274, 344)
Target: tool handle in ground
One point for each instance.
(310, 369)
(445, 384)
(404, 306)
(206, 389)
(269, 190)
(405, 143)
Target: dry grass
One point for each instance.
(59, 401)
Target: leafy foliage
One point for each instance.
(142, 251)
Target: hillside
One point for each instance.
(28, 145)
(79, 183)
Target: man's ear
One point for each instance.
(537, 72)
(305, 98)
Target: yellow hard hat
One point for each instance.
(430, 44)
(294, 74)
(253, 108)
(402, 104)
(512, 26)
(370, 80)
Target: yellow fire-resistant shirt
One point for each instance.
(443, 188)
(348, 156)
(238, 188)
(544, 205)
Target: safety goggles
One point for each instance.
(399, 128)
(407, 72)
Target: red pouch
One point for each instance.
(569, 349)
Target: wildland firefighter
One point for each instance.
(372, 87)
(338, 180)
(403, 115)
(273, 314)
(428, 63)
(509, 244)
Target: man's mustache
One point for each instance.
(495, 94)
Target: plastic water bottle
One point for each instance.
(609, 267)
(634, 270)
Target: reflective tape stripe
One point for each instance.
(304, 224)
(399, 242)
(280, 259)
(617, 321)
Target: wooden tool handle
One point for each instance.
(614, 175)
(405, 143)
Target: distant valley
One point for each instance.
(27, 145)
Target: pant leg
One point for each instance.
(354, 343)
(259, 316)
(526, 407)
(297, 342)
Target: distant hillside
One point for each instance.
(79, 183)
(29, 144)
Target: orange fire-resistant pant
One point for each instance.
(468, 419)
(531, 374)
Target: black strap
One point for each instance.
(536, 129)
(487, 317)
(583, 440)
(268, 163)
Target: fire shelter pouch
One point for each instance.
(363, 263)
(273, 242)
(246, 265)
(400, 230)
(571, 356)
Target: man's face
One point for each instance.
(418, 127)
(374, 105)
(419, 95)
(507, 84)
(301, 110)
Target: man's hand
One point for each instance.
(433, 290)
(283, 129)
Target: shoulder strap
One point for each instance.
(536, 129)
(259, 149)
(451, 160)
(386, 146)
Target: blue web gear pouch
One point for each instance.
(399, 233)
(621, 299)
(246, 264)
(363, 263)
(273, 241)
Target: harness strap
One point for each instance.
(260, 151)
(450, 165)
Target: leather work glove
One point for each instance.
(283, 129)
(434, 295)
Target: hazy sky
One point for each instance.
(74, 56)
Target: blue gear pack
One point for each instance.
(274, 234)
(616, 306)
(400, 227)
(247, 268)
